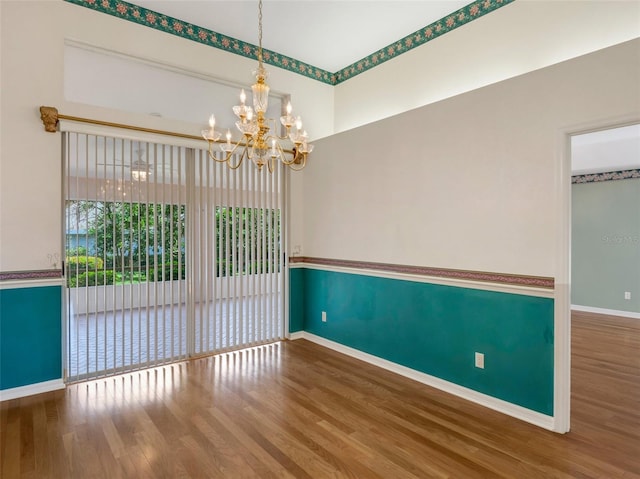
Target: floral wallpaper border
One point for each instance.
(149, 18)
(456, 19)
(606, 176)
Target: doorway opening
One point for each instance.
(572, 139)
(605, 221)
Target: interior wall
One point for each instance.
(520, 37)
(32, 42)
(605, 245)
(467, 183)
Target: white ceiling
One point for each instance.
(329, 34)
(615, 149)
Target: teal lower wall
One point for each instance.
(296, 301)
(436, 329)
(30, 335)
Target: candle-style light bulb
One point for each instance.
(299, 123)
(250, 115)
(243, 96)
(228, 137)
(210, 134)
(273, 147)
(289, 108)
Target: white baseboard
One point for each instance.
(519, 412)
(296, 335)
(610, 312)
(31, 389)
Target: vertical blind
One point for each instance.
(237, 262)
(169, 255)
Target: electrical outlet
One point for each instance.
(324, 316)
(480, 360)
(627, 295)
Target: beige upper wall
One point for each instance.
(32, 68)
(469, 182)
(523, 36)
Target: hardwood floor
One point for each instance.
(295, 409)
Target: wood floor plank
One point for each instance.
(11, 445)
(265, 464)
(263, 440)
(298, 418)
(386, 465)
(297, 410)
(27, 444)
(41, 449)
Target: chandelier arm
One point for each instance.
(287, 162)
(211, 155)
(280, 152)
(295, 156)
(229, 153)
(281, 155)
(286, 134)
(240, 142)
(301, 165)
(272, 123)
(237, 165)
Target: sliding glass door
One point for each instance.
(169, 255)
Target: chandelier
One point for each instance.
(259, 142)
(140, 169)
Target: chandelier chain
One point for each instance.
(260, 32)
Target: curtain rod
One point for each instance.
(50, 117)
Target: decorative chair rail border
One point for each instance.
(26, 275)
(480, 276)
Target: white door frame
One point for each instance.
(562, 303)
